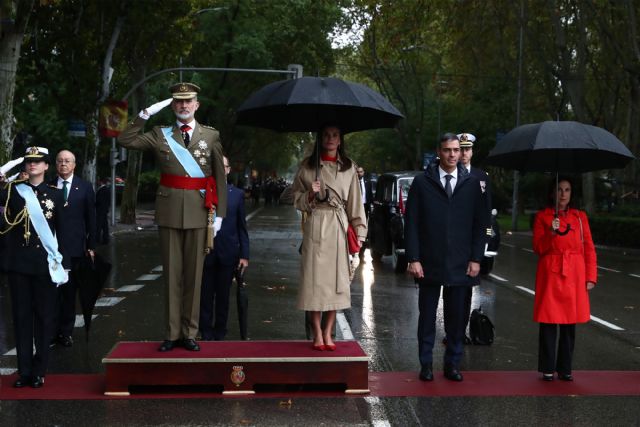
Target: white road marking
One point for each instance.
(252, 214)
(79, 323)
(527, 250)
(157, 269)
(509, 245)
(608, 269)
(13, 351)
(108, 301)
(148, 277)
(344, 327)
(129, 288)
(8, 371)
(594, 318)
(634, 275)
(495, 276)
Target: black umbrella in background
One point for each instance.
(560, 146)
(91, 276)
(242, 301)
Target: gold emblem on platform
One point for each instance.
(237, 375)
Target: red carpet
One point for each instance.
(382, 384)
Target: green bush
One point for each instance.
(617, 231)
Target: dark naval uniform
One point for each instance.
(182, 217)
(33, 294)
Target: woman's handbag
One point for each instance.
(352, 239)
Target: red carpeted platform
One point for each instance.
(381, 384)
(237, 366)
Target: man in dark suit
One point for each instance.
(444, 239)
(466, 153)
(365, 189)
(231, 251)
(77, 235)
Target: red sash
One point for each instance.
(208, 184)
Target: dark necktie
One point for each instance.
(65, 190)
(185, 134)
(447, 186)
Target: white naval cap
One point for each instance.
(466, 139)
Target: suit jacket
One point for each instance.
(232, 241)
(30, 257)
(177, 208)
(78, 231)
(444, 234)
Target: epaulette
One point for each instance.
(52, 186)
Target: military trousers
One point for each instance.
(182, 261)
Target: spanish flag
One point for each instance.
(113, 118)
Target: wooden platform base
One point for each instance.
(237, 366)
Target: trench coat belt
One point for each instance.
(565, 266)
(208, 184)
(339, 211)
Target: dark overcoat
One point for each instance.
(443, 233)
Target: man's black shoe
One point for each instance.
(37, 382)
(426, 373)
(191, 344)
(23, 381)
(452, 373)
(167, 345)
(65, 340)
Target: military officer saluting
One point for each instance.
(33, 212)
(192, 191)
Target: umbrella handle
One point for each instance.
(563, 233)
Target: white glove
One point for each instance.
(217, 224)
(10, 165)
(150, 111)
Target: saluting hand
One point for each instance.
(150, 111)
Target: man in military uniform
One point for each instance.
(35, 263)
(192, 187)
(466, 153)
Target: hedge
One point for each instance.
(616, 231)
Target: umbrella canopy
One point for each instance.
(308, 103)
(91, 276)
(565, 146)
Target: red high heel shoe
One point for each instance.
(318, 347)
(330, 347)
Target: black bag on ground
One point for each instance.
(480, 328)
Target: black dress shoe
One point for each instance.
(37, 382)
(167, 345)
(23, 381)
(426, 373)
(452, 373)
(190, 344)
(547, 377)
(565, 377)
(65, 340)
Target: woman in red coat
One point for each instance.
(566, 272)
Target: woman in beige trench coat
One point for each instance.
(324, 285)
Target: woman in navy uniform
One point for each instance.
(33, 263)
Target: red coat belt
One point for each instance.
(208, 184)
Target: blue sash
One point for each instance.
(184, 156)
(57, 272)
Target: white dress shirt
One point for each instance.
(443, 180)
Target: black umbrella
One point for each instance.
(561, 146)
(308, 103)
(566, 146)
(242, 301)
(91, 276)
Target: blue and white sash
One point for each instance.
(57, 272)
(184, 156)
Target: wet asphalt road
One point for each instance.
(383, 318)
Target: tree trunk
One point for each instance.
(14, 16)
(134, 162)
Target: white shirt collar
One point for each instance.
(191, 124)
(60, 180)
(442, 172)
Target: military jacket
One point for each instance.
(25, 252)
(178, 208)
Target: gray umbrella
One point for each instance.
(566, 146)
